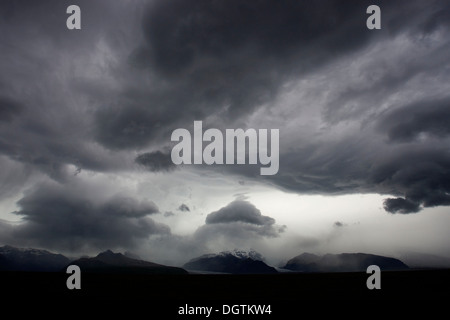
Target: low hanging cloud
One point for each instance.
(239, 211)
(156, 161)
(400, 205)
(64, 219)
(184, 208)
(338, 224)
(418, 175)
(129, 208)
(169, 214)
(242, 219)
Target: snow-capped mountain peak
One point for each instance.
(242, 254)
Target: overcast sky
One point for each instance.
(86, 118)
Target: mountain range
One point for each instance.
(344, 262)
(21, 259)
(236, 262)
(232, 262)
(29, 259)
(110, 262)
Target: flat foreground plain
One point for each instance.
(286, 292)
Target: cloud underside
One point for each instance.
(65, 218)
(240, 217)
(155, 161)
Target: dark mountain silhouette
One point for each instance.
(110, 262)
(28, 259)
(425, 260)
(237, 262)
(344, 262)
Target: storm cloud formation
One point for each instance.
(65, 219)
(197, 47)
(400, 205)
(239, 211)
(240, 219)
(409, 122)
(155, 161)
(184, 208)
(359, 111)
(8, 109)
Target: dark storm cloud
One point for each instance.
(242, 211)
(408, 122)
(45, 116)
(125, 81)
(438, 19)
(184, 208)
(379, 79)
(130, 124)
(224, 58)
(129, 208)
(400, 205)
(183, 35)
(62, 218)
(169, 214)
(420, 175)
(399, 108)
(417, 172)
(235, 232)
(8, 109)
(239, 218)
(156, 161)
